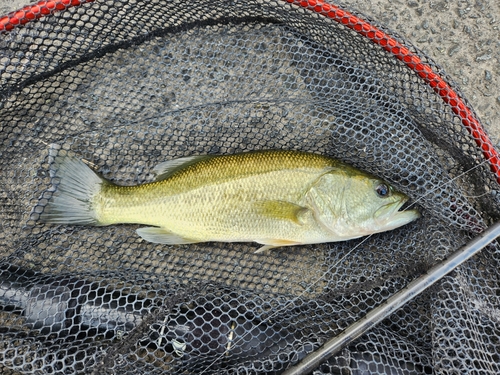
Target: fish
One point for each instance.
(272, 197)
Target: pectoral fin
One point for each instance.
(160, 235)
(282, 210)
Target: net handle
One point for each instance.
(412, 61)
(375, 316)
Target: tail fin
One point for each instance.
(72, 201)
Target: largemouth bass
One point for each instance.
(275, 198)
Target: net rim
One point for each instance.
(337, 14)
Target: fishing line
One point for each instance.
(323, 276)
(450, 181)
(477, 196)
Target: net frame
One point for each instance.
(363, 27)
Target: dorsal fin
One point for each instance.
(169, 167)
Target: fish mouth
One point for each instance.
(389, 217)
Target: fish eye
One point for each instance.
(383, 190)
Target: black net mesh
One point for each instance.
(126, 85)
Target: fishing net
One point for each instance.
(126, 85)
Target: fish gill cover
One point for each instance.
(126, 86)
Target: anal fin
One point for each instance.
(160, 235)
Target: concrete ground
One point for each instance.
(462, 36)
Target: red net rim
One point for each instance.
(364, 28)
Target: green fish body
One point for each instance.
(275, 198)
